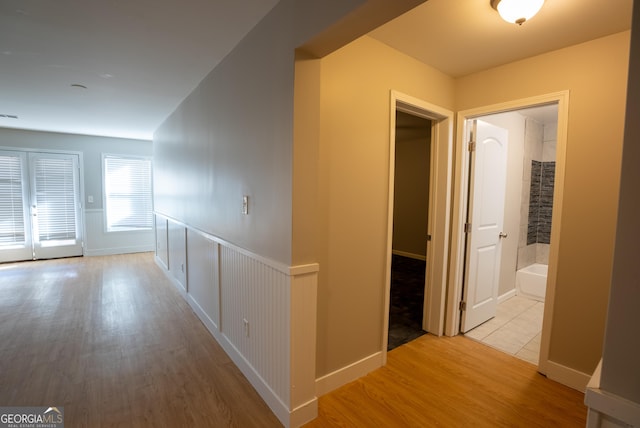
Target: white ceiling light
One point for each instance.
(517, 11)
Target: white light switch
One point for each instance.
(90, 199)
(245, 205)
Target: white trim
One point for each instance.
(452, 323)
(567, 376)
(206, 320)
(268, 395)
(119, 250)
(409, 255)
(349, 373)
(603, 403)
(172, 279)
(302, 403)
(506, 296)
(439, 210)
(279, 266)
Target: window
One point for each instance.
(127, 190)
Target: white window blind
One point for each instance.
(55, 199)
(128, 193)
(12, 231)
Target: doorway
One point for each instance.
(515, 253)
(438, 217)
(410, 220)
(40, 206)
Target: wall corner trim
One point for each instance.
(349, 373)
(304, 269)
(605, 405)
(567, 376)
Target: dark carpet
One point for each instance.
(407, 299)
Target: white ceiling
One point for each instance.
(140, 58)
(459, 37)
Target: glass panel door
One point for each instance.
(15, 230)
(55, 205)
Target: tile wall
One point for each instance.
(537, 193)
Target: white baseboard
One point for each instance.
(273, 401)
(336, 379)
(206, 320)
(119, 250)
(409, 255)
(289, 418)
(607, 409)
(506, 296)
(567, 376)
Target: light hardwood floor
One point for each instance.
(452, 382)
(111, 340)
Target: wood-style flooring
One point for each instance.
(111, 340)
(452, 382)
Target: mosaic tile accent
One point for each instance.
(541, 202)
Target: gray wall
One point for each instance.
(96, 240)
(233, 136)
(620, 368)
(91, 147)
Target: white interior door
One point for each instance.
(40, 215)
(488, 172)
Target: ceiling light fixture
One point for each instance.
(517, 11)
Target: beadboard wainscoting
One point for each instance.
(100, 243)
(263, 313)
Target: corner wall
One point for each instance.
(353, 193)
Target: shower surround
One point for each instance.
(537, 193)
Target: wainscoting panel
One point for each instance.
(262, 312)
(202, 271)
(255, 316)
(162, 240)
(99, 243)
(178, 253)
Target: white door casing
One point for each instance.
(486, 216)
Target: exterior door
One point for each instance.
(15, 228)
(488, 171)
(40, 204)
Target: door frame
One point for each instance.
(81, 190)
(439, 209)
(460, 203)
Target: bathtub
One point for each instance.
(531, 281)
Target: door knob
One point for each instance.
(502, 235)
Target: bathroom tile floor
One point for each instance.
(515, 329)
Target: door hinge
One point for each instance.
(463, 306)
(472, 146)
(467, 228)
